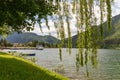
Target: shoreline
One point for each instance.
(22, 48)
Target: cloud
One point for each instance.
(45, 29)
(52, 31)
(116, 7)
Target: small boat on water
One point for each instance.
(30, 54)
(39, 47)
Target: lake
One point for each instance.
(108, 64)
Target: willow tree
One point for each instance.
(16, 15)
(89, 16)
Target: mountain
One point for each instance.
(111, 38)
(27, 37)
(115, 28)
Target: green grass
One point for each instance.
(2, 53)
(14, 68)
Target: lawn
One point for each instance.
(14, 68)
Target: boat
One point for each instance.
(39, 47)
(30, 54)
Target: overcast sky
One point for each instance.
(52, 31)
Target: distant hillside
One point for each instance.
(27, 37)
(111, 38)
(115, 28)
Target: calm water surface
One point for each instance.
(108, 64)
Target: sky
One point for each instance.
(52, 31)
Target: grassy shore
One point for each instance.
(14, 68)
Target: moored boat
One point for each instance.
(30, 54)
(39, 47)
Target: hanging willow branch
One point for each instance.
(87, 23)
(85, 20)
(108, 13)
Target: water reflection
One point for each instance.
(84, 57)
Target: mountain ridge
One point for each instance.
(111, 38)
(29, 36)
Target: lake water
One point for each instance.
(108, 64)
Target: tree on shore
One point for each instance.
(4, 43)
(17, 15)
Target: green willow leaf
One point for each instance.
(108, 3)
